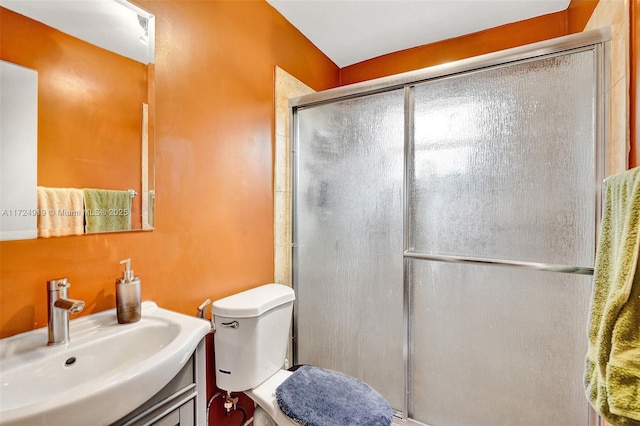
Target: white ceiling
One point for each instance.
(351, 31)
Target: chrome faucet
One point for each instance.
(59, 307)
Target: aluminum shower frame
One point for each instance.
(597, 40)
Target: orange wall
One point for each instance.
(578, 14)
(492, 40)
(213, 160)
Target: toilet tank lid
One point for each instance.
(253, 302)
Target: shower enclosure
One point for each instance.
(444, 230)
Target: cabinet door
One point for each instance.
(181, 416)
(171, 419)
(173, 405)
(186, 414)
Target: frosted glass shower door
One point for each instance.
(504, 163)
(497, 346)
(348, 229)
(504, 169)
(444, 228)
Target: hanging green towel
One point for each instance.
(107, 211)
(612, 373)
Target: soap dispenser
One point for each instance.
(128, 295)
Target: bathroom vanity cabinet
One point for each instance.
(180, 403)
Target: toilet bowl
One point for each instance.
(261, 418)
(250, 341)
(267, 411)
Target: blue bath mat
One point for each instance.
(314, 396)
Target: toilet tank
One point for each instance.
(252, 334)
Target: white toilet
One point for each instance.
(250, 342)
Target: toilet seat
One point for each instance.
(265, 395)
(316, 396)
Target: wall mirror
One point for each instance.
(94, 61)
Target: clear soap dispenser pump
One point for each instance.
(128, 295)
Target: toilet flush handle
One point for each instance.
(232, 324)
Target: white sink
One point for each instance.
(105, 372)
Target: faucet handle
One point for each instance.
(57, 284)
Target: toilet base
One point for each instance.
(261, 418)
(264, 395)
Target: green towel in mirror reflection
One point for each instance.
(107, 210)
